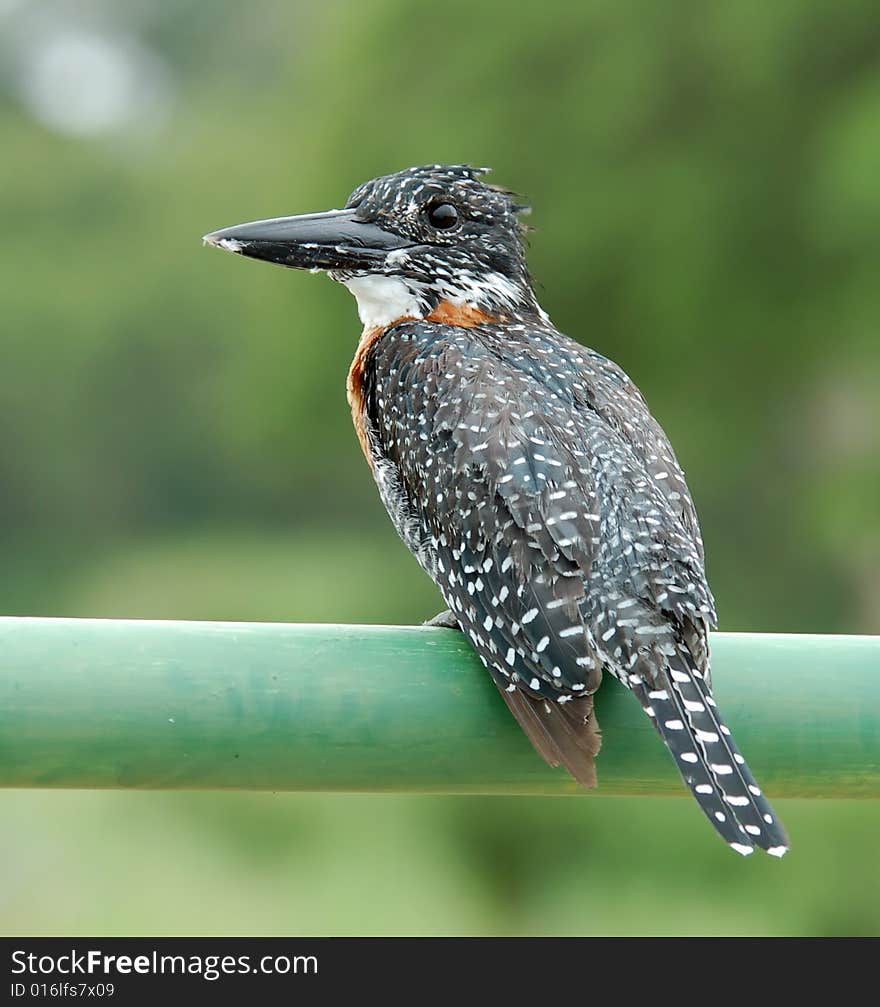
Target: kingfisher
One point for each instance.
(527, 476)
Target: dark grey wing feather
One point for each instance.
(507, 525)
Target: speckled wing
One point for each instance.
(509, 520)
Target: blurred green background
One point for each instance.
(175, 441)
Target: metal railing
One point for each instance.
(188, 705)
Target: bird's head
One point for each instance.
(407, 244)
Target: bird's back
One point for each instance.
(521, 440)
(528, 476)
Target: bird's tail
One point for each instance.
(682, 708)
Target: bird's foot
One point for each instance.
(445, 620)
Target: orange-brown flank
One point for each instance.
(465, 316)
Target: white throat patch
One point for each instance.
(381, 300)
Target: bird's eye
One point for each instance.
(442, 216)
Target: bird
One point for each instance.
(527, 476)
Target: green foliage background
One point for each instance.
(175, 442)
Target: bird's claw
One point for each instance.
(444, 619)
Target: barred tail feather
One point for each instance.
(663, 710)
(687, 718)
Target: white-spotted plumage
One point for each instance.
(581, 582)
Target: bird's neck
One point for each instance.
(384, 300)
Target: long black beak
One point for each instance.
(332, 240)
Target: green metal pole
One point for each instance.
(187, 705)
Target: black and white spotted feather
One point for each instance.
(527, 475)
